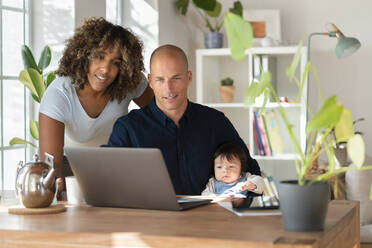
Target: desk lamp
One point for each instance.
(344, 48)
(345, 45)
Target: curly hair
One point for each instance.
(97, 35)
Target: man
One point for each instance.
(185, 132)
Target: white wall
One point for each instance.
(87, 8)
(349, 78)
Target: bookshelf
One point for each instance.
(212, 65)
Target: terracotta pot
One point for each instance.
(227, 93)
(259, 29)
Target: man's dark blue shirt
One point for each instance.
(188, 149)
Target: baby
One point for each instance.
(230, 178)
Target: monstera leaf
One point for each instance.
(239, 33)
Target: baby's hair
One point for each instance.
(230, 151)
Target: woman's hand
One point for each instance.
(60, 182)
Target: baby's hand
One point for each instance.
(248, 185)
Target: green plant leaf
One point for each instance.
(25, 78)
(34, 129)
(207, 5)
(237, 9)
(296, 59)
(356, 150)
(239, 33)
(28, 58)
(216, 12)
(257, 88)
(344, 128)
(45, 57)
(33, 77)
(182, 6)
(49, 79)
(19, 141)
(327, 117)
(35, 97)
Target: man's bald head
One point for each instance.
(171, 51)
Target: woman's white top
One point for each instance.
(60, 102)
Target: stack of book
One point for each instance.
(266, 134)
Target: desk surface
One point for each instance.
(206, 226)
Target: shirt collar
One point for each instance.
(160, 116)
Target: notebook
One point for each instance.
(126, 177)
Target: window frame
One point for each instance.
(25, 10)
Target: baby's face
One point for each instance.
(227, 171)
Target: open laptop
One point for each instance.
(126, 177)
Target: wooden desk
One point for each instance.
(206, 226)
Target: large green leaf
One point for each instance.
(28, 58)
(344, 128)
(296, 59)
(239, 33)
(19, 141)
(207, 5)
(32, 76)
(45, 57)
(49, 79)
(216, 12)
(257, 88)
(356, 150)
(34, 129)
(25, 78)
(327, 117)
(237, 9)
(182, 6)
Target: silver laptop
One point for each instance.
(126, 177)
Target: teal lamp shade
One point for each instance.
(346, 46)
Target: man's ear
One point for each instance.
(189, 77)
(149, 79)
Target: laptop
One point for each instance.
(126, 177)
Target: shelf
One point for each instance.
(284, 156)
(277, 50)
(242, 105)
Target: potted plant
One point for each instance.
(227, 90)
(34, 78)
(210, 11)
(303, 202)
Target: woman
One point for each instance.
(100, 72)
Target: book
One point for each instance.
(263, 135)
(254, 211)
(273, 186)
(257, 145)
(274, 133)
(267, 135)
(258, 134)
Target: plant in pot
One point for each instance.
(34, 78)
(210, 11)
(227, 90)
(303, 202)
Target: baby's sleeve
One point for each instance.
(258, 180)
(209, 189)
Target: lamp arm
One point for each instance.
(309, 40)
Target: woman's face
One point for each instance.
(103, 69)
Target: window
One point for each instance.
(13, 97)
